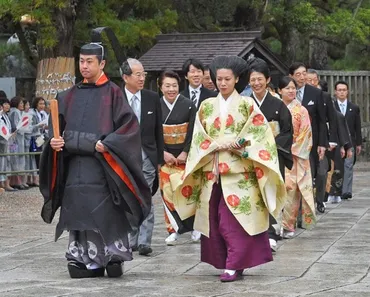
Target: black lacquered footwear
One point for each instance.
(114, 269)
(79, 270)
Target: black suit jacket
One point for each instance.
(331, 118)
(353, 119)
(204, 94)
(151, 126)
(314, 103)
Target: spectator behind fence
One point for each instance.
(31, 178)
(39, 120)
(4, 147)
(16, 144)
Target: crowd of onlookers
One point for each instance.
(23, 129)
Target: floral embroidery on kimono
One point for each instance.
(299, 180)
(250, 178)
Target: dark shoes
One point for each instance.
(347, 196)
(114, 269)
(79, 270)
(320, 207)
(144, 250)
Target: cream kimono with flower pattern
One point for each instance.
(252, 185)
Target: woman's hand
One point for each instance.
(100, 147)
(181, 159)
(57, 144)
(169, 159)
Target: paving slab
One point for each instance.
(331, 260)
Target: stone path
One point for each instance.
(332, 260)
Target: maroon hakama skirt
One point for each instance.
(229, 246)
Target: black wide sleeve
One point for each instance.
(321, 118)
(284, 139)
(332, 118)
(189, 133)
(358, 126)
(159, 130)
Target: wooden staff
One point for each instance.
(55, 117)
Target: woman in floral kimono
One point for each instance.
(298, 180)
(178, 122)
(232, 179)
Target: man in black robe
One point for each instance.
(93, 172)
(280, 119)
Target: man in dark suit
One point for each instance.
(311, 99)
(147, 108)
(331, 119)
(351, 112)
(194, 72)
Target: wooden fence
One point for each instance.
(358, 84)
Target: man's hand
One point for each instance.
(181, 159)
(321, 152)
(169, 159)
(99, 147)
(349, 153)
(342, 152)
(358, 150)
(57, 144)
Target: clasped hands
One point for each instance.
(57, 144)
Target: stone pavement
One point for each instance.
(332, 260)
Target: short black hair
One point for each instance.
(341, 82)
(3, 94)
(323, 85)
(15, 101)
(4, 101)
(206, 68)
(259, 65)
(170, 74)
(295, 66)
(192, 61)
(36, 101)
(285, 81)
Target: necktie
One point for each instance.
(135, 106)
(343, 108)
(299, 95)
(194, 96)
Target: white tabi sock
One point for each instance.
(230, 272)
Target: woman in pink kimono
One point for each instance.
(298, 180)
(232, 179)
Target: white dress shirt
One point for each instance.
(129, 96)
(343, 106)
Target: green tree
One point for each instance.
(56, 28)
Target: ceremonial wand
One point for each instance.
(55, 117)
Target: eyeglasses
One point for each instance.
(140, 74)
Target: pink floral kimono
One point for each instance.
(298, 180)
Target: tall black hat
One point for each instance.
(93, 48)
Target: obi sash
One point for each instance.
(175, 134)
(275, 127)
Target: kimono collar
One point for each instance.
(101, 80)
(292, 104)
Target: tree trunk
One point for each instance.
(318, 54)
(289, 43)
(56, 67)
